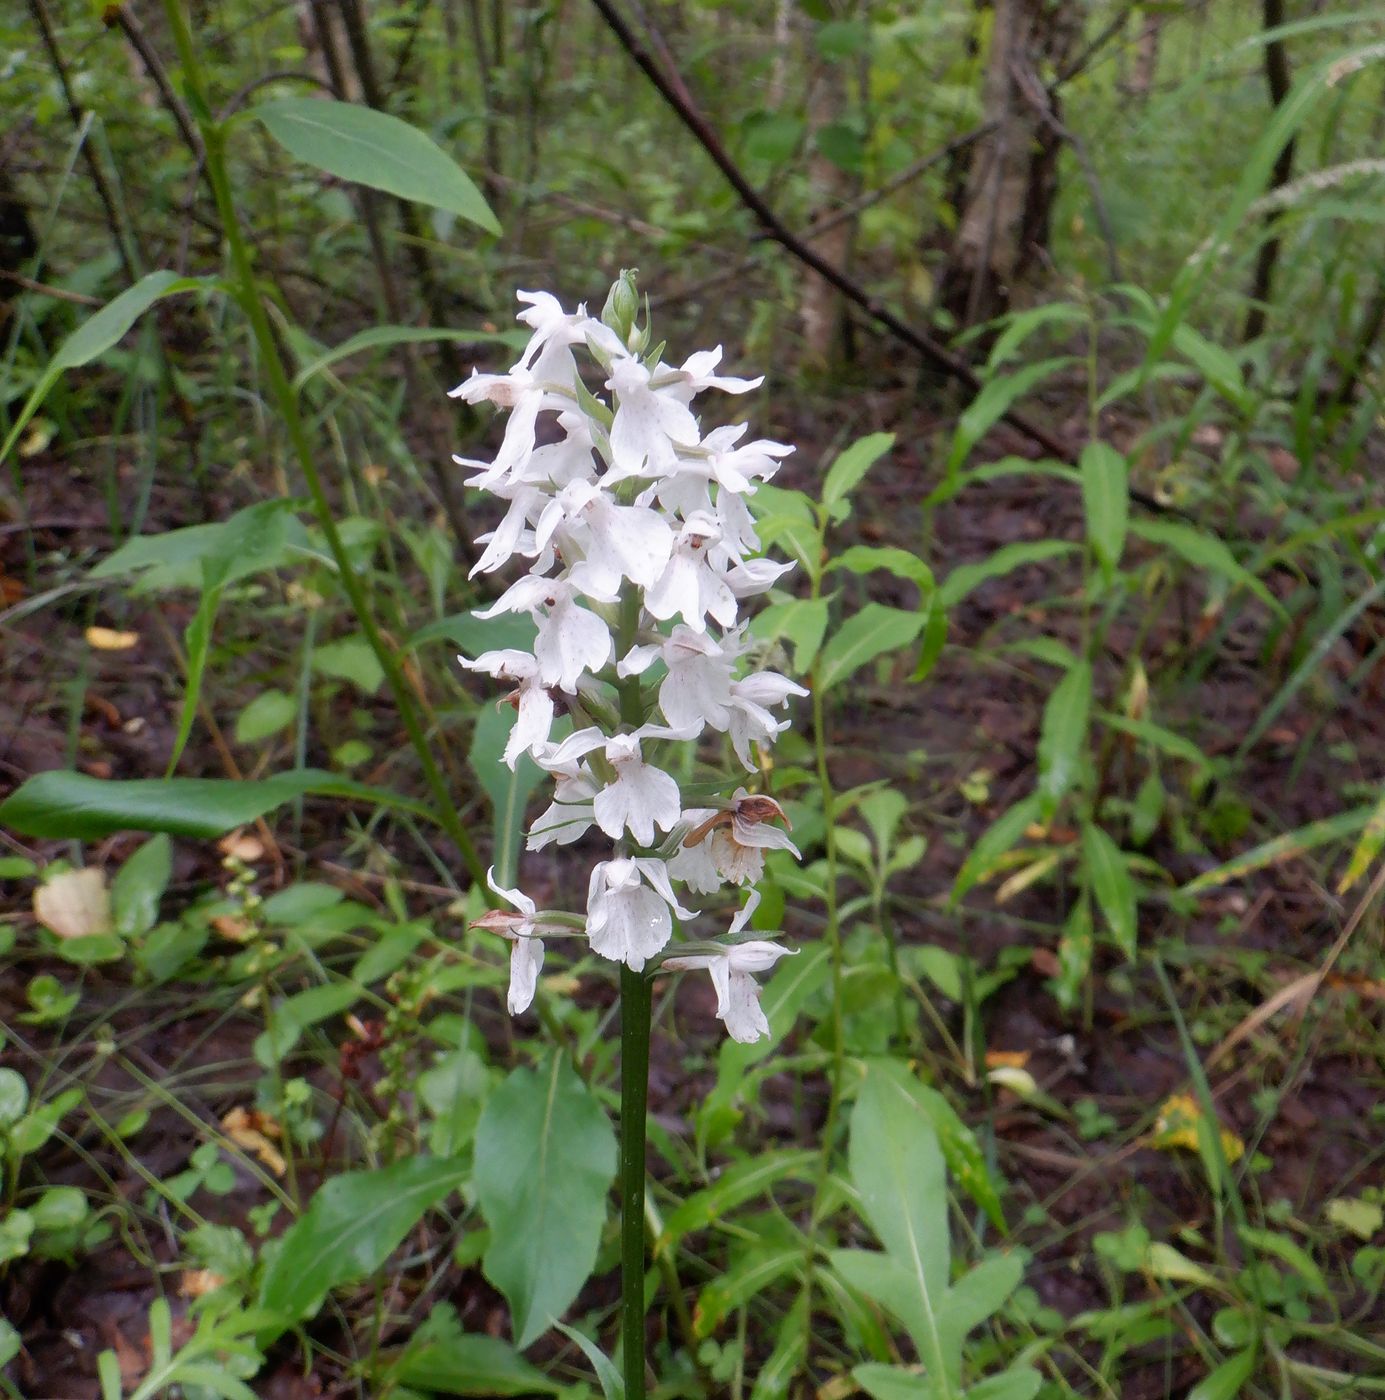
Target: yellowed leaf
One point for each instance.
(252, 1130)
(197, 1283)
(74, 904)
(242, 845)
(108, 639)
(1176, 1129)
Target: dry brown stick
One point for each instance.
(1277, 80)
(98, 176)
(117, 16)
(936, 354)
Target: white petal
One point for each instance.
(577, 745)
(656, 872)
(532, 723)
(637, 661)
(521, 901)
(526, 958)
(745, 1019)
(571, 641)
(640, 799)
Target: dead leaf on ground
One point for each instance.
(252, 1130)
(242, 845)
(108, 639)
(74, 904)
(197, 1283)
(1176, 1127)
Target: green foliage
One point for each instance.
(1130, 736)
(352, 1225)
(545, 1158)
(375, 149)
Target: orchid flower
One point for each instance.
(639, 552)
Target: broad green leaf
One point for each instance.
(771, 136)
(442, 1359)
(350, 659)
(545, 1157)
(737, 1184)
(802, 621)
(1286, 847)
(1204, 552)
(508, 790)
(998, 838)
(1105, 502)
(961, 1151)
(76, 807)
(1290, 1252)
(898, 1172)
(1218, 366)
(1005, 560)
(373, 148)
(97, 334)
(267, 714)
(454, 1091)
(1063, 736)
(872, 632)
(140, 885)
(353, 1224)
(14, 1097)
(265, 536)
(789, 519)
(1228, 1380)
(1018, 1383)
(897, 1169)
(1108, 877)
(883, 1382)
(866, 558)
(845, 474)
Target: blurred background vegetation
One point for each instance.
(1097, 818)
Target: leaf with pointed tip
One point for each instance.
(373, 148)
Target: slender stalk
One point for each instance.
(832, 933)
(635, 996)
(248, 294)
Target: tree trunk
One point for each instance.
(820, 309)
(1013, 176)
(1146, 56)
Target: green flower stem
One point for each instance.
(832, 933)
(247, 292)
(635, 996)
